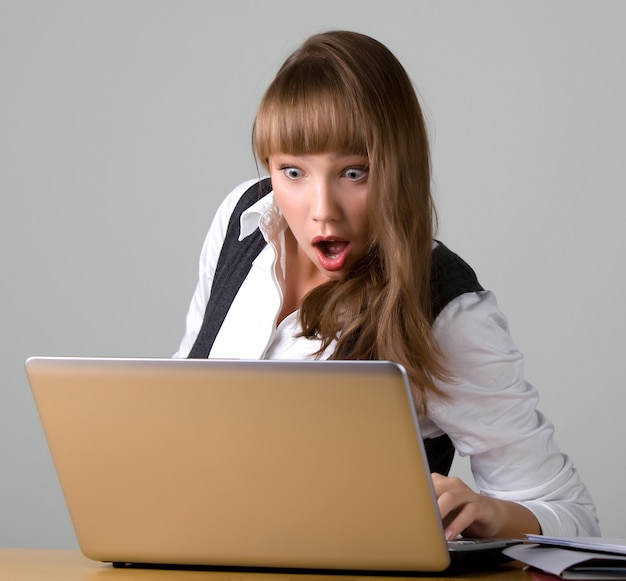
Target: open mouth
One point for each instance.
(332, 248)
(332, 254)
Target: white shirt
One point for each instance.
(491, 414)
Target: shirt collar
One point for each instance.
(264, 215)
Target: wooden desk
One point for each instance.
(55, 565)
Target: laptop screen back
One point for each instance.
(241, 463)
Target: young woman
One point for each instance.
(336, 258)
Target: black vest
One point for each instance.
(450, 278)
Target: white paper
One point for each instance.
(559, 561)
(605, 544)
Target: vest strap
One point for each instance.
(234, 263)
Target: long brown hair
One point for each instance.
(344, 91)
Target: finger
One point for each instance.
(458, 504)
(442, 483)
(449, 484)
(451, 497)
(461, 521)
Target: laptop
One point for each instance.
(244, 464)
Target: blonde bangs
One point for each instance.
(309, 120)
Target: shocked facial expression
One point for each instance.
(323, 198)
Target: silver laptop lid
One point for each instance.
(241, 463)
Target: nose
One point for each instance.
(325, 207)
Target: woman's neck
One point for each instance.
(301, 276)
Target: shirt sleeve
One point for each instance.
(206, 268)
(491, 415)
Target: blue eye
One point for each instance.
(293, 173)
(356, 173)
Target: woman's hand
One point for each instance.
(466, 512)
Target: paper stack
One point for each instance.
(573, 557)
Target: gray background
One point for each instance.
(124, 123)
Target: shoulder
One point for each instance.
(471, 320)
(243, 194)
(470, 329)
(219, 225)
(450, 278)
(232, 206)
